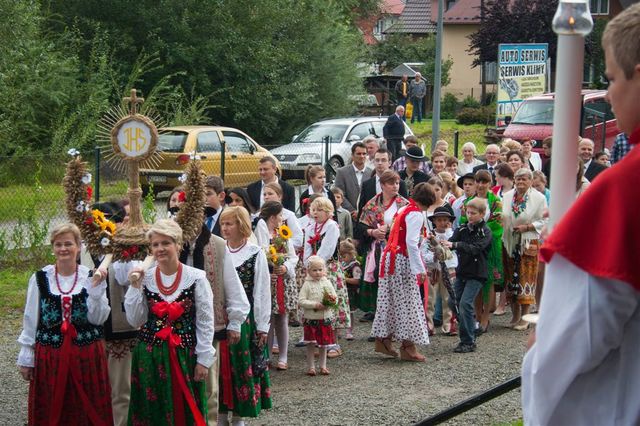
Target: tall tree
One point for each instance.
(513, 21)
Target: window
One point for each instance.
(599, 7)
(597, 110)
(237, 142)
(316, 132)
(449, 4)
(172, 141)
(361, 130)
(208, 142)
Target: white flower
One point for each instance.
(170, 215)
(105, 242)
(194, 156)
(86, 179)
(81, 207)
(73, 152)
(87, 208)
(183, 178)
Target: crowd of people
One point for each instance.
(415, 245)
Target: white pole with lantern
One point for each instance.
(572, 22)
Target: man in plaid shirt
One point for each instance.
(620, 148)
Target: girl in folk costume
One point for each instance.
(352, 276)
(375, 222)
(316, 179)
(495, 280)
(275, 239)
(62, 351)
(322, 239)
(317, 298)
(249, 357)
(400, 313)
(173, 305)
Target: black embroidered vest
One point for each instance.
(246, 272)
(184, 326)
(50, 311)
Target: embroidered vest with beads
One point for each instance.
(246, 272)
(50, 310)
(184, 326)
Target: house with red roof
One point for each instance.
(373, 28)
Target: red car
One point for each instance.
(534, 120)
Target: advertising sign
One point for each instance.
(522, 73)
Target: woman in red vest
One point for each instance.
(400, 315)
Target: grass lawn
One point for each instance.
(13, 289)
(15, 199)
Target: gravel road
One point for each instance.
(364, 387)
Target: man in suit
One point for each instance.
(393, 132)
(350, 177)
(492, 155)
(371, 186)
(585, 152)
(267, 170)
(214, 204)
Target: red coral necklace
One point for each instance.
(236, 249)
(75, 281)
(168, 290)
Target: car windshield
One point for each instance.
(534, 112)
(172, 141)
(316, 132)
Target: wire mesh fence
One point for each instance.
(32, 198)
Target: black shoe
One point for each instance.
(437, 323)
(301, 344)
(368, 317)
(463, 348)
(371, 339)
(294, 323)
(478, 331)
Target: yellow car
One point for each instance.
(177, 144)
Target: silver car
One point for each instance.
(309, 147)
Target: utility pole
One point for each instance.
(483, 93)
(435, 123)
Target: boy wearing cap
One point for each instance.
(442, 231)
(472, 242)
(412, 175)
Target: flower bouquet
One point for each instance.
(329, 300)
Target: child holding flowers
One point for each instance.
(275, 239)
(318, 299)
(321, 238)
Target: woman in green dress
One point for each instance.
(173, 305)
(249, 357)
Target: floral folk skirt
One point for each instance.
(342, 318)
(152, 385)
(528, 272)
(87, 369)
(400, 311)
(368, 292)
(285, 294)
(320, 332)
(251, 392)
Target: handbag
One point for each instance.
(408, 111)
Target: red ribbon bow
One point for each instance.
(173, 310)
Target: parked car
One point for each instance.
(309, 147)
(177, 143)
(534, 119)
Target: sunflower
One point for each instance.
(109, 226)
(98, 216)
(273, 251)
(285, 232)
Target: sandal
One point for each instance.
(311, 372)
(324, 371)
(275, 350)
(383, 346)
(282, 366)
(408, 352)
(349, 336)
(334, 353)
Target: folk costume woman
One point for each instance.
(275, 239)
(322, 238)
(62, 349)
(173, 305)
(400, 314)
(375, 222)
(522, 210)
(249, 357)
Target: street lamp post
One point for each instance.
(572, 22)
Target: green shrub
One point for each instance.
(483, 115)
(470, 102)
(449, 106)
